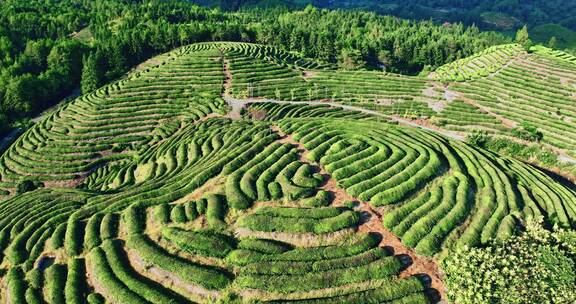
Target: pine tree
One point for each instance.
(523, 38)
(553, 43)
(90, 76)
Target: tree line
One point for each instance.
(50, 48)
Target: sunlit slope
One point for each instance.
(516, 87)
(153, 193)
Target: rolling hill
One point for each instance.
(237, 172)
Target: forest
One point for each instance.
(552, 22)
(49, 49)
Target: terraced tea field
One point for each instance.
(158, 191)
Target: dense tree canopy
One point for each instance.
(45, 44)
(494, 14)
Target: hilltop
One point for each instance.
(238, 172)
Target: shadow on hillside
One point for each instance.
(557, 178)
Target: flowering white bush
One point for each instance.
(539, 266)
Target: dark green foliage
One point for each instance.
(478, 138)
(90, 74)
(275, 190)
(407, 291)
(152, 292)
(92, 236)
(265, 250)
(28, 185)
(527, 132)
(105, 277)
(300, 220)
(178, 214)
(16, 286)
(35, 278)
(201, 206)
(57, 239)
(45, 63)
(109, 226)
(33, 296)
(383, 268)
(203, 242)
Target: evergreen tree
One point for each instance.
(553, 43)
(90, 76)
(523, 38)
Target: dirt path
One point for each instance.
(452, 95)
(242, 103)
(419, 265)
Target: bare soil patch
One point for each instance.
(420, 265)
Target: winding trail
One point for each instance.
(238, 104)
(418, 265)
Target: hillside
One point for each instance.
(499, 15)
(239, 172)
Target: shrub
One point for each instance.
(135, 219)
(527, 132)
(95, 298)
(33, 296)
(161, 213)
(201, 206)
(104, 276)
(191, 210)
(264, 246)
(207, 243)
(16, 286)
(382, 268)
(57, 239)
(119, 264)
(178, 214)
(538, 266)
(215, 210)
(478, 138)
(109, 226)
(35, 278)
(249, 255)
(27, 186)
(75, 283)
(92, 234)
(55, 283)
(236, 197)
(74, 238)
(321, 199)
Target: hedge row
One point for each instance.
(198, 275)
(202, 242)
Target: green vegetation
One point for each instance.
(538, 266)
(501, 15)
(155, 190)
(80, 45)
